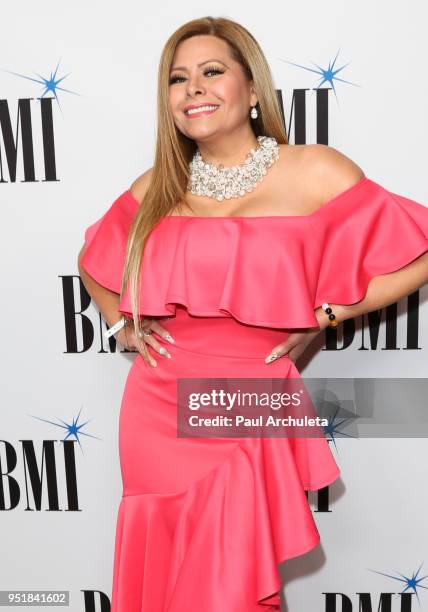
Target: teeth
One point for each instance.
(199, 109)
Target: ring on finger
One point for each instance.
(145, 333)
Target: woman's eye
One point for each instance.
(216, 70)
(176, 78)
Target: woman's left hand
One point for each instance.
(297, 342)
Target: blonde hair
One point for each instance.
(174, 151)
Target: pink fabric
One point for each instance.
(270, 271)
(203, 523)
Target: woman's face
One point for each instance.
(204, 73)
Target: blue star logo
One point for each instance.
(327, 75)
(72, 429)
(333, 428)
(50, 84)
(328, 408)
(412, 582)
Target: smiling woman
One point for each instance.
(303, 239)
(219, 83)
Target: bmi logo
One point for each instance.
(37, 476)
(387, 601)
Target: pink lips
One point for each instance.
(198, 114)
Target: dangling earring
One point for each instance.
(254, 114)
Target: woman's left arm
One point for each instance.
(383, 290)
(336, 172)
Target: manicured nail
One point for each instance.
(271, 357)
(163, 351)
(169, 338)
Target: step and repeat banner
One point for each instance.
(77, 126)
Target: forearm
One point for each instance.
(384, 290)
(106, 301)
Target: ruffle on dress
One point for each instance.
(268, 271)
(250, 492)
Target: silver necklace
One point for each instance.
(223, 183)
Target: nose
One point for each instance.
(194, 85)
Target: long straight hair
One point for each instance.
(174, 150)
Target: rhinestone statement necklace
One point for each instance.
(224, 183)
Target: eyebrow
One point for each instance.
(201, 64)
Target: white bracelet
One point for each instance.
(115, 328)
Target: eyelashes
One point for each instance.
(175, 79)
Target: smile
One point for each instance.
(201, 110)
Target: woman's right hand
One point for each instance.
(127, 337)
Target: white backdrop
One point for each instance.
(103, 137)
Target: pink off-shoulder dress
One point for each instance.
(204, 523)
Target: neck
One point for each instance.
(230, 149)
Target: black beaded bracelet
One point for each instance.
(332, 317)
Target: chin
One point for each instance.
(201, 136)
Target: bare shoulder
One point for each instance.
(329, 172)
(140, 185)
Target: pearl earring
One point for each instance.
(254, 114)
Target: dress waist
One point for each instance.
(222, 336)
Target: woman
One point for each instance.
(239, 272)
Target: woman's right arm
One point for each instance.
(107, 301)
